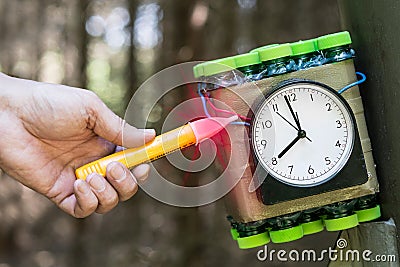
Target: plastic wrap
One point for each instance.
(245, 206)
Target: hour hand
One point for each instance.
(286, 149)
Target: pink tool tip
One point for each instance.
(206, 128)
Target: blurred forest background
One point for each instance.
(111, 47)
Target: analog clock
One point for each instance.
(303, 133)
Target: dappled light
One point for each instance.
(111, 47)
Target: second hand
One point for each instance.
(291, 124)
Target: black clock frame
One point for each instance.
(353, 173)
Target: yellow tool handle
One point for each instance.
(161, 145)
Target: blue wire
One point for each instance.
(363, 79)
(203, 101)
(240, 123)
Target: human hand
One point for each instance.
(47, 131)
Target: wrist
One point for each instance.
(4, 80)
(11, 91)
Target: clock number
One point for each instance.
(292, 97)
(285, 103)
(338, 144)
(264, 143)
(329, 106)
(291, 168)
(310, 170)
(266, 124)
(327, 161)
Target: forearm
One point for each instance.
(5, 84)
(14, 92)
(8, 84)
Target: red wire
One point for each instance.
(225, 111)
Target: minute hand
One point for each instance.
(296, 120)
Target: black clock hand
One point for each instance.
(300, 134)
(297, 129)
(286, 149)
(292, 112)
(305, 136)
(280, 115)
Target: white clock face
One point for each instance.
(303, 134)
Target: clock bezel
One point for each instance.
(282, 86)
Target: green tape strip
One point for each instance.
(341, 223)
(287, 235)
(253, 241)
(312, 227)
(368, 214)
(234, 234)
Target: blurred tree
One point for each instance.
(111, 47)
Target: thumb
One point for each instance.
(114, 129)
